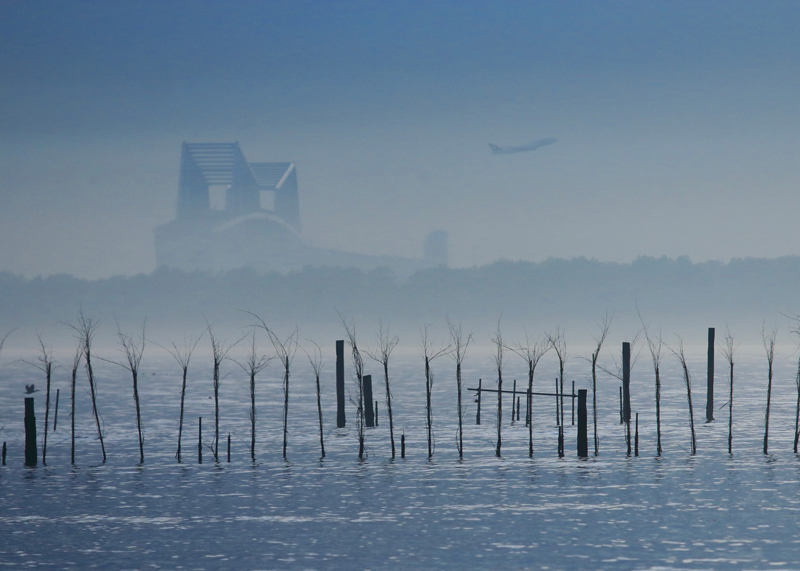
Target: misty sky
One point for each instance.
(677, 123)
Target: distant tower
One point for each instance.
(435, 248)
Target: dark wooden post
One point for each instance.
(200, 440)
(478, 414)
(369, 413)
(572, 398)
(560, 441)
(528, 402)
(583, 435)
(30, 433)
(517, 409)
(513, 401)
(710, 389)
(229, 447)
(402, 446)
(636, 449)
(4, 453)
(55, 418)
(376, 413)
(626, 391)
(621, 419)
(340, 412)
(558, 421)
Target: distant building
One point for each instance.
(232, 213)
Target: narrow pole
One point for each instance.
(636, 449)
(572, 398)
(621, 418)
(200, 440)
(229, 447)
(376, 412)
(403, 445)
(518, 409)
(30, 433)
(626, 391)
(560, 441)
(369, 413)
(478, 414)
(583, 436)
(513, 400)
(710, 383)
(528, 407)
(4, 453)
(55, 417)
(558, 422)
(340, 411)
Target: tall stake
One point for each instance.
(710, 377)
(460, 344)
(386, 344)
(768, 337)
(728, 351)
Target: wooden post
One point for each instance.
(340, 411)
(478, 414)
(583, 435)
(513, 400)
(4, 453)
(558, 422)
(636, 449)
(572, 398)
(621, 419)
(376, 413)
(55, 418)
(528, 399)
(626, 381)
(560, 441)
(229, 447)
(30, 433)
(517, 409)
(200, 440)
(710, 387)
(403, 446)
(369, 412)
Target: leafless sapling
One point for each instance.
(358, 399)
(604, 326)
(76, 363)
(429, 354)
(728, 352)
(460, 344)
(679, 353)
(768, 338)
(132, 350)
(386, 344)
(619, 373)
(497, 340)
(559, 344)
(182, 354)
(44, 362)
(315, 358)
(655, 344)
(253, 365)
(532, 351)
(219, 351)
(85, 328)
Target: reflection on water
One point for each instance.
(614, 512)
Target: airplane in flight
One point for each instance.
(522, 148)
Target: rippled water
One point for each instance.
(708, 511)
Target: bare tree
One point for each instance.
(316, 365)
(604, 326)
(728, 352)
(619, 375)
(76, 363)
(182, 354)
(44, 362)
(768, 338)
(253, 365)
(386, 344)
(132, 349)
(460, 344)
(679, 353)
(532, 352)
(655, 344)
(559, 344)
(497, 339)
(219, 351)
(358, 367)
(286, 349)
(85, 328)
(429, 353)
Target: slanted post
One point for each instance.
(583, 437)
(478, 414)
(369, 412)
(710, 389)
(30, 433)
(55, 418)
(200, 440)
(340, 415)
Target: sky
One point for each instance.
(677, 125)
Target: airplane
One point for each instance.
(522, 148)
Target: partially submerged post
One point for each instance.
(340, 411)
(30, 433)
(55, 417)
(710, 377)
(636, 441)
(402, 445)
(572, 398)
(4, 453)
(626, 391)
(583, 437)
(200, 440)
(478, 414)
(369, 411)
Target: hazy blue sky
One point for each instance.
(678, 124)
